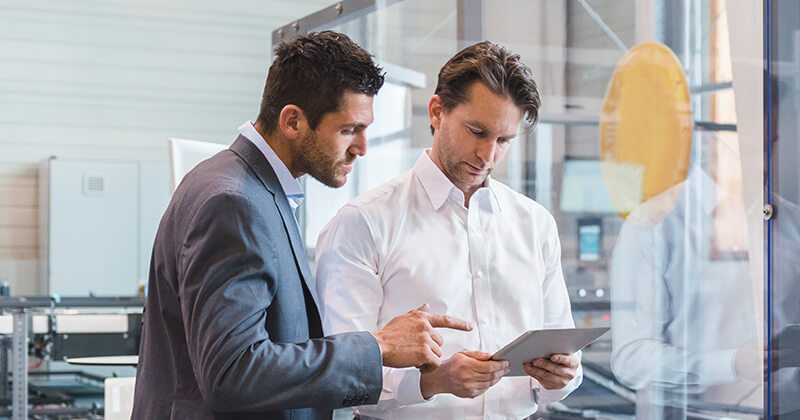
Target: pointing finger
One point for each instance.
(445, 321)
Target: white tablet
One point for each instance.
(541, 344)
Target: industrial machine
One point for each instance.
(39, 334)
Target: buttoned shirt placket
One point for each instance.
(479, 216)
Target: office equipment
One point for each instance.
(186, 154)
(590, 239)
(119, 398)
(537, 344)
(583, 188)
(97, 222)
(50, 328)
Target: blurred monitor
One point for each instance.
(584, 186)
(590, 239)
(186, 154)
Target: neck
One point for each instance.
(468, 194)
(282, 147)
(468, 190)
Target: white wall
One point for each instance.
(113, 80)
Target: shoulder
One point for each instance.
(224, 171)
(372, 211)
(383, 195)
(522, 206)
(657, 210)
(220, 185)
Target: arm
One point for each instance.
(557, 314)
(227, 282)
(641, 313)
(349, 285)
(351, 294)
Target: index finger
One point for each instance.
(446, 321)
(565, 359)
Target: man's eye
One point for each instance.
(349, 132)
(476, 132)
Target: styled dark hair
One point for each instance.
(501, 70)
(312, 72)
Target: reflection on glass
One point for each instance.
(783, 178)
(684, 269)
(683, 321)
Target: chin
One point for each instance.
(337, 182)
(471, 179)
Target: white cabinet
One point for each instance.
(97, 223)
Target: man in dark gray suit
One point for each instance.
(231, 325)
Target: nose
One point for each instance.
(359, 146)
(486, 151)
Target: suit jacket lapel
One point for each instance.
(259, 164)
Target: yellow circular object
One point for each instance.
(646, 130)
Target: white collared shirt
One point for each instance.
(291, 187)
(412, 241)
(679, 314)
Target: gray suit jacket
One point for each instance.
(231, 328)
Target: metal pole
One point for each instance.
(337, 14)
(5, 390)
(19, 351)
(470, 22)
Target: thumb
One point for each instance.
(423, 308)
(477, 355)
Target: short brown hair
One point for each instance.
(312, 72)
(501, 70)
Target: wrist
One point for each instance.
(381, 344)
(429, 385)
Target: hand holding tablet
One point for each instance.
(541, 344)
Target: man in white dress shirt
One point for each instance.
(447, 234)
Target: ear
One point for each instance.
(435, 110)
(292, 121)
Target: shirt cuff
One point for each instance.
(405, 383)
(720, 366)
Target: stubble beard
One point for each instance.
(457, 173)
(317, 163)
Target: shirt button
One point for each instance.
(479, 273)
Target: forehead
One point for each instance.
(494, 112)
(356, 108)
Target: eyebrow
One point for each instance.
(353, 125)
(482, 127)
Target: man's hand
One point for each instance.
(410, 340)
(466, 374)
(554, 373)
(751, 364)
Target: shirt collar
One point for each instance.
(439, 188)
(291, 187)
(701, 184)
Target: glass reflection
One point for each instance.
(683, 323)
(781, 107)
(680, 278)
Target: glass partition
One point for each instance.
(648, 155)
(783, 195)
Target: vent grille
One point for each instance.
(94, 185)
